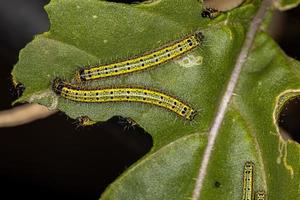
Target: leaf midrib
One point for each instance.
(219, 117)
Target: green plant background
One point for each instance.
(87, 32)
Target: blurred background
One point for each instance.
(53, 158)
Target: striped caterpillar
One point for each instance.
(151, 59)
(123, 94)
(260, 195)
(248, 181)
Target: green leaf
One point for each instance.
(286, 4)
(87, 32)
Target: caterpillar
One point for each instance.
(123, 94)
(248, 181)
(85, 121)
(145, 61)
(127, 123)
(210, 13)
(17, 89)
(260, 195)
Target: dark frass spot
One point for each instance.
(217, 184)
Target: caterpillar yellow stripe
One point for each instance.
(123, 94)
(260, 195)
(248, 181)
(147, 60)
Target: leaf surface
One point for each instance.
(85, 32)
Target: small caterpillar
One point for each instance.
(127, 123)
(248, 181)
(260, 195)
(85, 121)
(154, 58)
(17, 89)
(125, 94)
(210, 13)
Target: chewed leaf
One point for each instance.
(165, 67)
(70, 46)
(286, 4)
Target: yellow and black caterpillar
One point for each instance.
(154, 58)
(123, 94)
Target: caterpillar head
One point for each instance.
(199, 36)
(57, 85)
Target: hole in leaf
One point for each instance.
(289, 119)
(285, 31)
